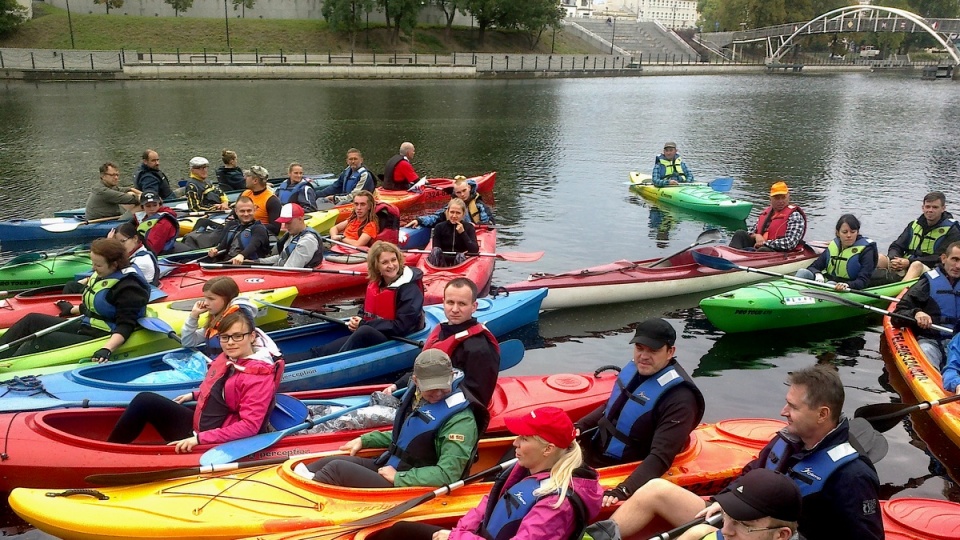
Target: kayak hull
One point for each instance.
(630, 281)
(48, 271)
(14, 231)
(437, 189)
(478, 269)
(695, 197)
(779, 304)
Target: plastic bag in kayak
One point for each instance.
(374, 416)
(187, 366)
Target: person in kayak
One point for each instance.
(221, 297)
(297, 190)
(354, 179)
(108, 199)
(114, 298)
(650, 413)
(453, 238)
(922, 242)
(669, 169)
(234, 400)
(478, 212)
(243, 239)
(362, 227)
(157, 223)
(398, 173)
(203, 196)
(849, 260)
(780, 227)
(838, 482)
(140, 256)
(149, 177)
(550, 493)
(934, 299)
(230, 176)
(267, 205)
(301, 247)
(472, 348)
(951, 373)
(432, 443)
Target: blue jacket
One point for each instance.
(951, 373)
(659, 171)
(485, 215)
(347, 182)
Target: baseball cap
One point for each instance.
(655, 333)
(198, 162)
(258, 171)
(780, 188)
(433, 370)
(761, 493)
(549, 423)
(150, 197)
(289, 212)
(669, 144)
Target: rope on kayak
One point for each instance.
(310, 504)
(29, 384)
(585, 273)
(6, 437)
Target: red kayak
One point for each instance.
(436, 189)
(59, 448)
(478, 268)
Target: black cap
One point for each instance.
(655, 333)
(149, 196)
(761, 493)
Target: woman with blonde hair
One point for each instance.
(230, 176)
(548, 494)
(362, 227)
(454, 235)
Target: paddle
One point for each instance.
(417, 501)
(511, 256)
(72, 225)
(282, 269)
(361, 249)
(883, 416)
(287, 411)
(707, 236)
(720, 184)
(322, 317)
(822, 295)
(38, 333)
(240, 448)
(719, 263)
(713, 520)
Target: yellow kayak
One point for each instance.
(321, 221)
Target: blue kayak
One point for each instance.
(111, 382)
(65, 229)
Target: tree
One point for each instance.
(450, 9)
(110, 4)
(487, 13)
(346, 15)
(179, 5)
(12, 15)
(400, 14)
(532, 17)
(244, 5)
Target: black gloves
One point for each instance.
(101, 356)
(620, 492)
(66, 308)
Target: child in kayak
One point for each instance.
(220, 298)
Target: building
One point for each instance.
(670, 13)
(577, 8)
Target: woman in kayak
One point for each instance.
(548, 494)
(114, 298)
(230, 176)
(849, 260)
(220, 298)
(362, 227)
(233, 402)
(453, 236)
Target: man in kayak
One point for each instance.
(473, 349)
(203, 196)
(434, 436)
(157, 223)
(301, 247)
(477, 213)
(354, 179)
(934, 299)
(951, 373)
(398, 174)
(650, 413)
(243, 239)
(669, 169)
(839, 484)
(149, 177)
(107, 199)
(780, 227)
(922, 242)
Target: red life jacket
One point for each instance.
(451, 343)
(220, 368)
(379, 302)
(777, 227)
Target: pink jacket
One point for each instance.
(543, 522)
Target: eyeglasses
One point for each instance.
(120, 238)
(234, 337)
(746, 528)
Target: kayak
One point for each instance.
(321, 220)
(120, 381)
(477, 268)
(32, 270)
(630, 281)
(38, 441)
(694, 196)
(141, 341)
(922, 377)
(274, 499)
(779, 304)
(436, 189)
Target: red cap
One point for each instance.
(549, 423)
(289, 212)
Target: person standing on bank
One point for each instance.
(203, 196)
(780, 227)
(108, 199)
(301, 247)
(149, 177)
(398, 173)
(354, 179)
(230, 176)
(669, 169)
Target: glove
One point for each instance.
(818, 277)
(101, 356)
(620, 492)
(66, 308)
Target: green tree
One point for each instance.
(935, 9)
(450, 9)
(244, 5)
(109, 4)
(179, 5)
(400, 15)
(12, 15)
(487, 13)
(346, 15)
(532, 17)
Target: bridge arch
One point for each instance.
(849, 10)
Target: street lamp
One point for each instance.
(674, 25)
(226, 22)
(614, 35)
(70, 23)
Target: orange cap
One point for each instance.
(780, 188)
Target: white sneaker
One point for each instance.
(302, 470)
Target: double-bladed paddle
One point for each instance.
(707, 236)
(883, 416)
(823, 295)
(720, 184)
(38, 333)
(281, 269)
(713, 520)
(67, 226)
(334, 320)
(511, 256)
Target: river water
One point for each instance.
(871, 144)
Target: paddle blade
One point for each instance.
(717, 263)
(829, 297)
(511, 353)
(126, 479)
(722, 184)
(288, 412)
(156, 325)
(520, 256)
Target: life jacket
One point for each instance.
(145, 226)
(715, 535)
(381, 303)
(100, 313)
(212, 335)
(927, 243)
(260, 200)
(353, 178)
(777, 227)
(240, 237)
(448, 345)
(505, 512)
(208, 195)
(845, 265)
(286, 249)
(626, 416)
(388, 169)
(473, 211)
(415, 431)
(672, 169)
(286, 192)
(388, 221)
(947, 297)
(810, 473)
(222, 367)
(145, 257)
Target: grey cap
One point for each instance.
(669, 144)
(258, 171)
(433, 370)
(199, 162)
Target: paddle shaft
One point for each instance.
(713, 520)
(361, 249)
(511, 256)
(704, 238)
(885, 421)
(887, 312)
(322, 317)
(38, 333)
(67, 227)
(280, 268)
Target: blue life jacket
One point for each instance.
(844, 265)
(285, 192)
(145, 226)
(353, 178)
(947, 297)
(98, 312)
(415, 432)
(286, 245)
(511, 507)
(245, 236)
(811, 472)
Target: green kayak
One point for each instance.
(32, 270)
(696, 197)
(779, 304)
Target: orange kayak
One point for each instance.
(436, 189)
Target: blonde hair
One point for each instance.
(457, 202)
(373, 258)
(561, 474)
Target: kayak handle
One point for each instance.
(601, 369)
(68, 492)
